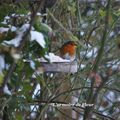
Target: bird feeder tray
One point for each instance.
(63, 67)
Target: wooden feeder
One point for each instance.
(60, 67)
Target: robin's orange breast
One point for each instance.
(68, 49)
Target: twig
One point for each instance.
(66, 116)
(9, 74)
(75, 89)
(79, 16)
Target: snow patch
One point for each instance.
(2, 63)
(90, 53)
(37, 36)
(2, 29)
(6, 90)
(111, 96)
(16, 56)
(36, 91)
(7, 17)
(90, 12)
(115, 64)
(16, 41)
(84, 25)
(82, 66)
(13, 28)
(53, 58)
(82, 33)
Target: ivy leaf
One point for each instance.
(102, 13)
(1, 78)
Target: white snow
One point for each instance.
(90, 53)
(37, 36)
(53, 58)
(82, 66)
(16, 56)
(2, 29)
(115, 64)
(13, 28)
(34, 109)
(90, 12)
(4, 22)
(112, 33)
(7, 17)
(93, 33)
(36, 91)
(2, 63)
(6, 90)
(50, 56)
(32, 64)
(82, 33)
(13, 15)
(111, 96)
(39, 14)
(93, 22)
(16, 41)
(84, 25)
(24, 27)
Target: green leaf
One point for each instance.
(19, 116)
(1, 78)
(102, 12)
(42, 27)
(10, 35)
(29, 71)
(7, 10)
(46, 28)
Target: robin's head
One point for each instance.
(72, 43)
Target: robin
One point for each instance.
(68, 50)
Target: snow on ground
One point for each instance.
(16, 41)
(38, 37)
(82, 66)
(110, 96)
(115, 64)
(34, 108)
(12, 28)
(2, 63)
(90, 53)
(3, 29)
(6, 90)
(36, 91)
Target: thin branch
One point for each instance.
(66, 116)
(76, 89)
(79, 16)
(9, 74)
